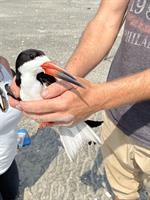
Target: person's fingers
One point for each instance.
(56, 89)
(39, 106)
(53, 117)
(14, 103)
(42, 106)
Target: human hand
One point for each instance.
(68, 104)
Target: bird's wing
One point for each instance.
(93, 123)
(74, 138)
(45, 79)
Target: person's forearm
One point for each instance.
(134, 88)
(88, 53)
(94, 44)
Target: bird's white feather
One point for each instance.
(33, 66)
(31, 88)
(74, 138)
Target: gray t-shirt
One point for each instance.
(133, 56)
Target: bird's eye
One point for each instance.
(32, 56)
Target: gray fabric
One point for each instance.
(133, 56)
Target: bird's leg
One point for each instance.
(45, 124)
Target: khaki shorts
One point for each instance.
(127, 164)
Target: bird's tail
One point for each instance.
(75, 137)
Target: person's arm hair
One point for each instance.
(130, 89)
(98, 37)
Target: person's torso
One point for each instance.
(133, 56)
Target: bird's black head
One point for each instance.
(27, 55)
(23, 57)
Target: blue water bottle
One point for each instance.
(23, 138)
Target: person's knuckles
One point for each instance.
(63, 104)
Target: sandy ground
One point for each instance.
(54, 27)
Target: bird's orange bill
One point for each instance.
(54, 70)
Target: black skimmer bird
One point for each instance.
(34, 70)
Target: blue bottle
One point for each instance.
(23, 137)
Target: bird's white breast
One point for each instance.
(30, 87)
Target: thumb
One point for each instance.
(56, 89)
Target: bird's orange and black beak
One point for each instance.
(54, 70)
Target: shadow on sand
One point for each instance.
(95, 177)
(37, 157)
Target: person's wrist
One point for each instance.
(98, 97)
(74, 71)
